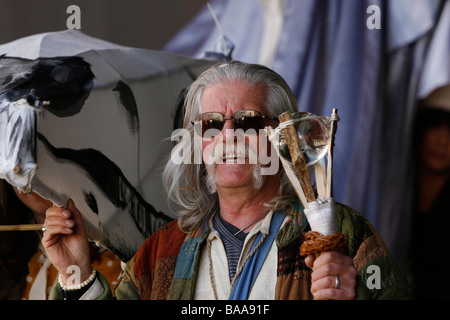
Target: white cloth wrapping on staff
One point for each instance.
(321, 215)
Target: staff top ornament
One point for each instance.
(304, 141)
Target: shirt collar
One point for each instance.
(262, 226)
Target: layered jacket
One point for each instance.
(166, 266)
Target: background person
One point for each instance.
(432, 192)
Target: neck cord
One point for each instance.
(252, 223)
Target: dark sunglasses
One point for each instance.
(242, 119)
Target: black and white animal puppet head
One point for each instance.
(60, 85)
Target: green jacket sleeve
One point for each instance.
(379, 276)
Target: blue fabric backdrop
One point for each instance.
(332, 59)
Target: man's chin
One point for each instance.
(230, 175)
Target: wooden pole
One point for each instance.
(334, 120)
(321, 178)
(21, 227)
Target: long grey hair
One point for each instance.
(185, 182)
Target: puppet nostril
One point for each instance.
(34, 100)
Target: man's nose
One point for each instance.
(228, 125)
(228, 130)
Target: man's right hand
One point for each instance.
(65, 241)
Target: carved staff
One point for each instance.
(320, 211)
(298, 159)
(334, 119)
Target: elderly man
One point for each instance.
(241, 226)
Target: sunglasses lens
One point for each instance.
(211, 123)
(249, 119)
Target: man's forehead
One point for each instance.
(234, 96)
